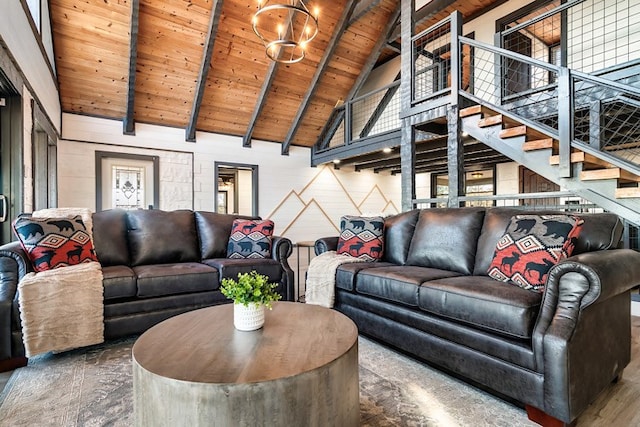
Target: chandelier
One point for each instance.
(285, 29)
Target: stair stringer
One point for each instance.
(601, 192)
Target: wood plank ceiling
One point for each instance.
(241, 92)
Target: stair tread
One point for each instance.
(477, 109)
(540, 144)
(490, 121)
(522, 130)
(582, 157)
(627, 192)
(609, 173)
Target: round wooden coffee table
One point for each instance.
(196, 369)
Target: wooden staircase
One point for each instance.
(593, 178)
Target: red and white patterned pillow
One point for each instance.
(531, 245)
(250, 238)
(54, 242)
(361, 237)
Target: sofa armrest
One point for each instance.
(326, 244)
(13, 265)
(281, 251)
(583, 329)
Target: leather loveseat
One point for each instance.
(430, 296)
(156, 264)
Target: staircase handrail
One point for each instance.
(509, 54)
(541, 17)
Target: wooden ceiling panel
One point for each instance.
(92, 49)
(171, 40)
(238, 66)
(91, 55)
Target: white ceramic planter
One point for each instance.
(248, 318)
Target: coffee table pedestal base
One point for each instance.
(326, 396)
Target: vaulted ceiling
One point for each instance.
(197, 65)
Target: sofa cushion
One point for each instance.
(230, 267)
(171, 279)
(599, 232)
(530, 246)
(482, 302)
(214, 230)
(361, 237)
(162, 237)
(398, 230)
(119, 281)
(346, 273)
(398, 283)
(54, 242)
(446, 239)
(250, 239)
(110, 237)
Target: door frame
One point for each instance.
(101, 155)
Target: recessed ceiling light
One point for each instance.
(465, 134)
(386, 150)
(336, 161)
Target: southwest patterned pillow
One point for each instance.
(361, 237)
(531, 245)
(54, 242)
(250, 238)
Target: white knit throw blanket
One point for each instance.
(61, 309)
(321, 277)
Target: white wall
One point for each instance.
(304, 202)
(16, 33)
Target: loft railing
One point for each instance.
(372, 114)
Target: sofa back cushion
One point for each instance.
(446, 239)
(398, 230)
(159, 237)
(110, 237)
(213, 232)
(599, 232)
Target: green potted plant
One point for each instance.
(251, 293)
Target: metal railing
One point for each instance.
(371, 114)
(595, 114)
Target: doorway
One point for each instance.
(236, 189)
(127, 181)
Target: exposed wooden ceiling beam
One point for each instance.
(128, 125)
(363, 7)
(260, 103)
(340, 28)
(423, 14)
(216, 10)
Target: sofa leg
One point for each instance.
(13, 363)
(538, 416)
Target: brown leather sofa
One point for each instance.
(156, 264)
(430, 296)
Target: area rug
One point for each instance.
(93, 387)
